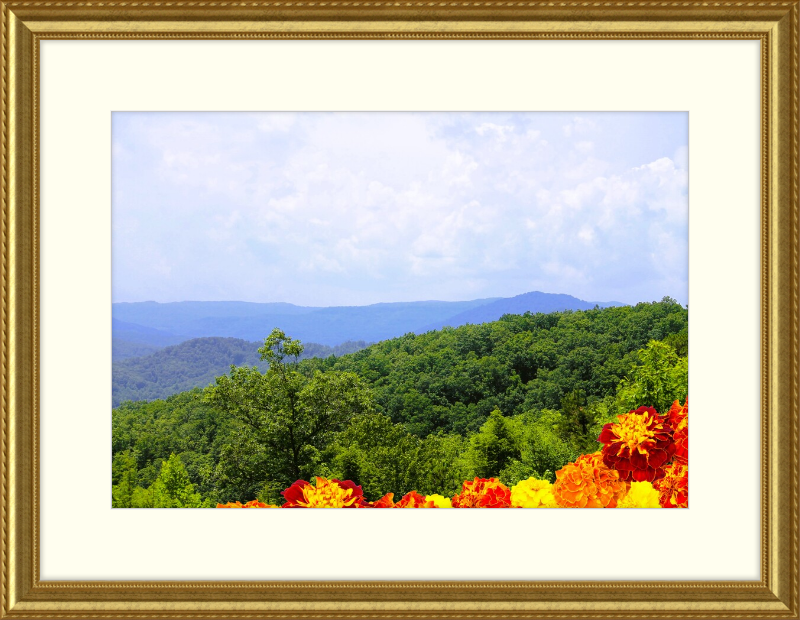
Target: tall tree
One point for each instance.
(291, 414)
(660, 378)
(493, 447)
(173, 489)
(122, 492)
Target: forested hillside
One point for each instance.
(195, 363)
(513, 398)
(452, 379)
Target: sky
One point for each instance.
(355, 208)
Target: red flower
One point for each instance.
(383, 502)
(251, 504)
(679, 421)
(326, 494)
(673, 488)
(412, 500)
(639, 446)
(294, 494)
(483, 493)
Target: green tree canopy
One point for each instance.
(495, 445)
(293, 415)
(173, 489)
(657, 380)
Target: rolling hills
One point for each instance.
(157, 324)
(195, 363)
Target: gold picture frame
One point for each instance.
(775, 24)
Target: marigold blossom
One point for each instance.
(231, 505)
(588, 483)
(251, 504)
(533, 493)
(437, 501)
(383, 502)
(483, 493)
(679, 420)
(640, 495)
(674, 487)
(412, 499)
(639, 446)
(326, 494)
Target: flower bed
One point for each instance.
(643, 463)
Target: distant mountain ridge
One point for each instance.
(142, 334)
(196, 363)
(157, 324)
(542, 302)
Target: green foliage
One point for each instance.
(194, 363)
(659, 378)
(494, 446)
(442, 465)
(153, 372)
(420, 412)
(385, 458)
(181, 424)
(517, 448)
(171, 489)
(544, 449)
(125, 482)
(122, 349)
(679, 341)
(380, 455)
(291, 414)
(452, 379)
(243, 466)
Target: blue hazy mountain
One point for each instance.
(133, 340)
(527, 302)
(195, 363)
(142, 333)
(181, 321)
(251, 321)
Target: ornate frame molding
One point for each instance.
(24, 24)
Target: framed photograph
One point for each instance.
(375, 381)
(400, 255)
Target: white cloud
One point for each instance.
(500, 132)
(319, 262)
(579, 125)
(275, 121)
(380, 207)
(586, 234)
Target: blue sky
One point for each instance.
(356, 208)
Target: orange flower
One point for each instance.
(326, 494)
(251, 504)
(673, 488)
(414, 500)
(639, 446)
(679, 421)
(483, 493)
(383, 502)
(588, 483)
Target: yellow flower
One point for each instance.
(533, 493)
(438, 501)
(327, 494)
(641, 495)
